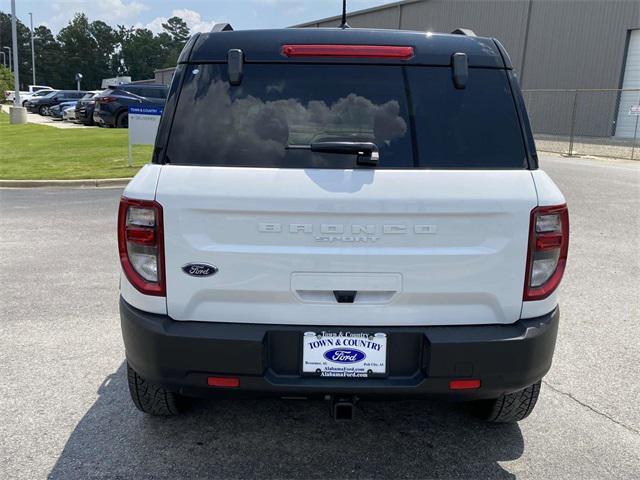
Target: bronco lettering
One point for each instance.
(354, 233)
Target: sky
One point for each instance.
(200, 15)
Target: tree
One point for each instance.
(175, 35)
(6, 80)
(177, 29)
(140, 52)
(94, 49)
(48, 58)
(106, 39)
(24, 46)
(86, 48)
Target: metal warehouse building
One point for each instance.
(557, 46)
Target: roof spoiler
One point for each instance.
(464, 31)
(222, 27)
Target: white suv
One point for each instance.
(343, 213)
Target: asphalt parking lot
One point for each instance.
(65, 410)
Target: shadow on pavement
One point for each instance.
(230, 438)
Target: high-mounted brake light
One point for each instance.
(349, 51)
(140, 242)
(547, 253)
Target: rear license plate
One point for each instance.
(344, 354)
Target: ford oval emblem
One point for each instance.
(344, 355)
(199, 269)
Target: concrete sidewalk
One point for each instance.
(48, 121)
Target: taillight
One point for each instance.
(140, 242)
(548, 248)
(106, 99)
(349, 51)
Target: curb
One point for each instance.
(98, 182)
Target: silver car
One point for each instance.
(69, 114)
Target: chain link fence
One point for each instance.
(594, 122)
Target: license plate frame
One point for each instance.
(354, 355)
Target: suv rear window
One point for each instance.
(134, 90)
(414, 114)
(150, 92)
(156, 92)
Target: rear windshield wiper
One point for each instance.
(367, 152)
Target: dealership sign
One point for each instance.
(143, 125)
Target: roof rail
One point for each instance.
(464, 31)
(222, 27)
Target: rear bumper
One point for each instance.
(266, 358)
(84, 115)
(104, 117)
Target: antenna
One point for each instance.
(344, 23)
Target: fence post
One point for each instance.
(573, 123)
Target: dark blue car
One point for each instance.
(42, 105)
(111, 107)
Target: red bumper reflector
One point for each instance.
(464, 384)
(227, 382)
(348, 51)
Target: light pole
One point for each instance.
(16, 69)
(78, 80)
(33, 52)
(4, 58)
(8, 49)
(17, 113)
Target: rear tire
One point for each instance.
(123, 120)
(43, 110)
(509, 408)
(153, 399)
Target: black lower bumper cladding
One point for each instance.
(181, 356)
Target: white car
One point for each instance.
(69, 114)
(342, 214)
(34, 91)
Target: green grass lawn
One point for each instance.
(34, 152)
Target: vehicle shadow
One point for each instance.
(273, 438)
